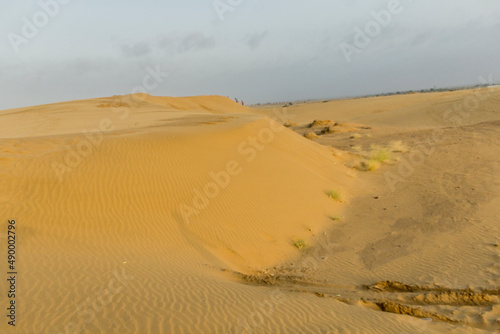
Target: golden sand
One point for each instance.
(142, 214)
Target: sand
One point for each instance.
(142, 214)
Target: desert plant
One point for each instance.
(380, 154)
(335, 195)
(300, 244)
(368, 165)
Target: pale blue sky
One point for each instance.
(262, 51)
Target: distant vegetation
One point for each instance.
(429, 90)
(378, 155)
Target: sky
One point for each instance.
(257, 51)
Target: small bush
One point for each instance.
(335, 195)
(300, 244)
(368, 165)
(380, 154)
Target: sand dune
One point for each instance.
(142, 214)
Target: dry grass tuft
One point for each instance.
(335, 195)
(380, 154)
(300, 244)
(368, 165)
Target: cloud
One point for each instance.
(293, 52)
(254, 40)
(136, 50)
(196, 42)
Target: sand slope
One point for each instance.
(141, 214)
